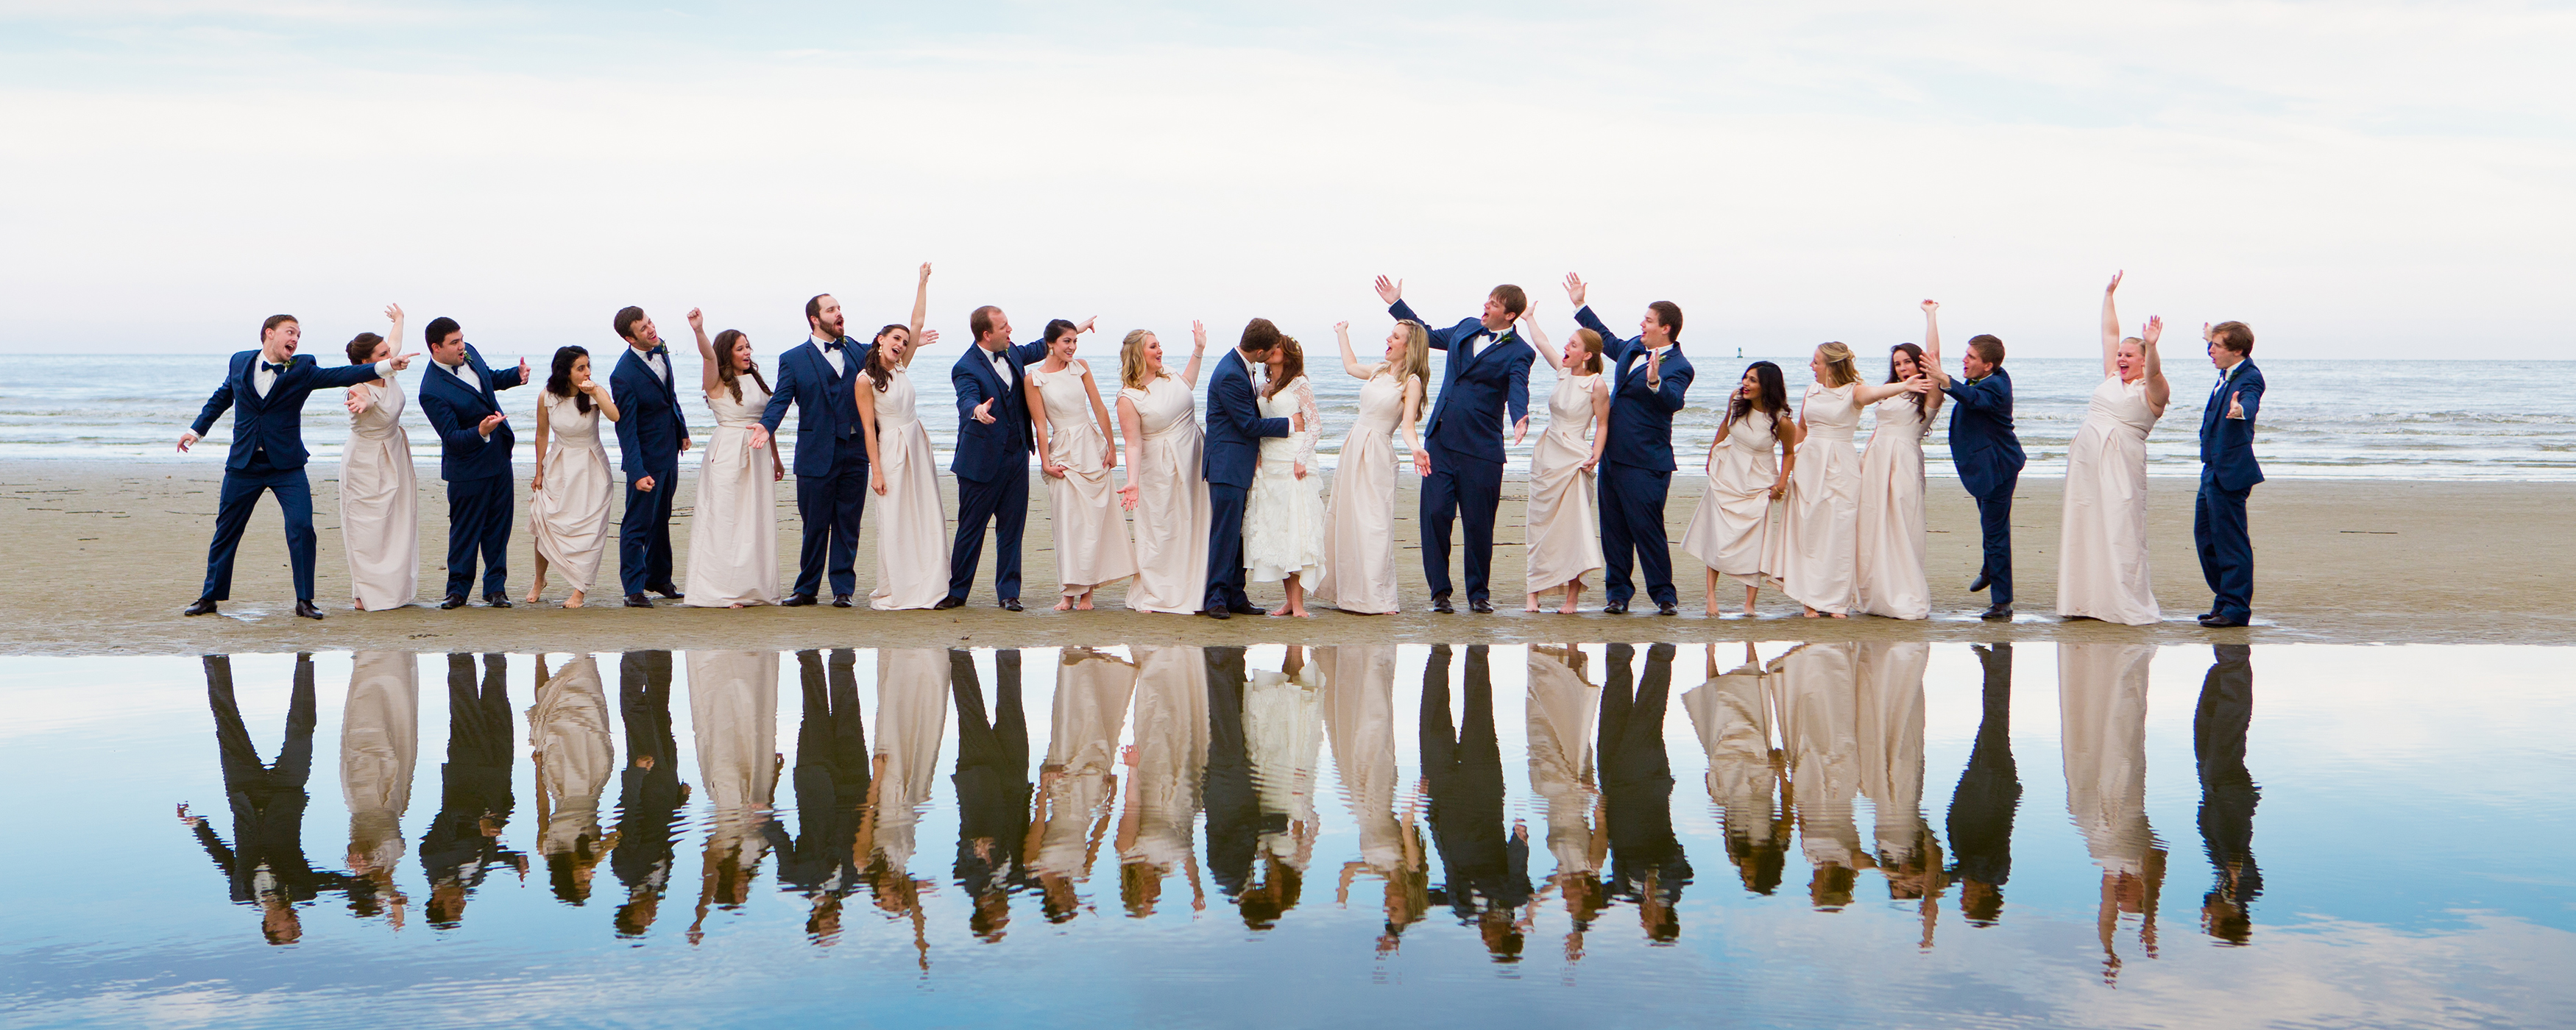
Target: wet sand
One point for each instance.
(101, 560)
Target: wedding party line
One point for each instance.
(1209, 506)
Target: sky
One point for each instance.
(2353, 179)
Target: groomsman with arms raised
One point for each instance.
(265, 389)
(831, 458)
(1985, 449)
(2228, 473)
(474, 442)
(649, 441)
(992, 462)
(1637, 462)
(1485, 374)
(1234, 432)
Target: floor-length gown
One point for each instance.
(1091, 695)
(568, 730)
(1817, 551)
(733, 705)
(2102, 718)
(1819, 728)
(1734, 714)
(1563, 519)
(913, 685)
(1283, 516)
(380, 502)
(1172, 511)
(1736, 518)
(1171, 734)
(379, 746)
(1359, 525)
(1283, 734)
(1890, 706)
(570, 516)
(1091, 544)
(1890, 580)
(1563, 704)
(912, 534)
(733, 535)
(2102, 547)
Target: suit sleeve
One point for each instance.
(1031, 352)
(621, 388)
(1230, 397)
(1980, 396)
(2239, 432)
(343, 377)
(970, 392)
(214, 845)
(1517, 396)
(1676, 380)
(215, 405)
(442, 420)
(1439, 337)
(776, 412)
(1613, 349)
(506, 379)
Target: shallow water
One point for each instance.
(2080, 834)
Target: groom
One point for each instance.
(1985, 449)
(2228, 473)
(831, 456)
(992, 462)
(1487, 372)
(1234, 431)
(649, 440)
(474, 443)
(1637, 461)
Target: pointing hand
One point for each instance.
(983, 412)
(2236, 404)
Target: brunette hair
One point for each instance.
(1131, 360)
(814, 311)
(1920, 399)
(980, 322)
(1670, 314)
(436, 331)
(362, 347)
(274, 321)
(1770, 397)
(559, 383)
(1057, 327)
(1839, 368)
(1292, 366)
(1513, 299)
(625, 321)
(1416, 363)
(1258, 335)
(879, 373)
(2235, 336)
(1591, 342)
(725, 373)
(1989, 348)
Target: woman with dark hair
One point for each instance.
(1748, 468)
(568, 497)
(1890, 580)
(1818, 546)
(1562, 524)
(1283, 513)
(379, 498)
(2102, 547)
(733, 537)
(1359, 521)
(912, 534)
(1075, 452)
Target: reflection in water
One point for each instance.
(1819, 724)
(1646, 862)
(379, 748)
(1359, 716)
(1562, 703)
(822, 861)
(568, 742)
(649, 792)
(1283, 732)
(1981, 809)
(2227, 794)
(1733, 713)
(1890, 689)
(265, 862)
(1165, 764)
(733, 703)
(1485, 868)
(1079, 779)
(2102, 704)
(912, 715)
(992, 789)
(474, 801)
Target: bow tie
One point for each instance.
(266, 366)
(836, 344)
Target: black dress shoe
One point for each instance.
(1980, 583)
(638, 601)
(204, 606)
(1480, 607)
(1012, 604)
(1216, 613)
(1247, 609)
(1615, 608)
(496, 600)
(797, 601)
(2221, 621)
(1998, 613)
(453, 601)
(946, 603)
(1668, 608)
(840, 600)
(1441, 604)
(305, 609)
(668, 592)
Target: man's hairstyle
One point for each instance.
(362, 347)
(438, 329)
(625, 321)
(1989, 348)
(981, 322)
(814, 308)
(1670, 314)
(278, 320)
(1513, 299)
(1259, 337)
(2234, 336)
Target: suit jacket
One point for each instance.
(987, 452)
(1641, 419)
(274, 423)
(650, 427)
(2227, 444)
(455, 409)
(1982, 442)
(826, 408)
(1234, 424)
(1481, 387)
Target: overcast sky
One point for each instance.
(2366, 178)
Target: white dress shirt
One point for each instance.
(830, 356)
(464, 371)
(262, 377)
(1001, 366)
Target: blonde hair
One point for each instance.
(1416, 362)
(1839, 366)
(1131, 360)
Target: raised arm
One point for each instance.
(1865, 394)
(708, 380)
(1932, 344)
(1350, 358)
(2111, 327)
(2159, 392)
(1614, 349)
(1662, 387)
(920, 310)
(1539, 342)
(1198, 349)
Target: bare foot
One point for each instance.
(1281, 612)
(1840, 615)
(1568, 608)
(1304, 614)
(1064, 605)
(734, 605)
(1533, 604)
(1709, 609)
(1811, 613)
(1748, 611)
(1083, 605)
(570, 602)
(532, 598)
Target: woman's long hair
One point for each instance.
(1770, 397)
(1839, 365)
(725, 373)
(559, 382)
(1920, 399)
(1131, 361)
(879, 373)
(1292, 366)
(1416, 363)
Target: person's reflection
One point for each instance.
(379, 747)
(992, 789)
(1981, 810)
(831, 779)
(475, 799)
(912, 719)
(1163, 780)
(1486, 868)
(1890, 706)
(1647, 866)
(649, 793)
(2227, 794)
(1234, 817)
(1733, 713)
(1283, 733)
(568, 739)
(1078, 781)
(1819, 725)
(733, 707)
(1562, 704)
(2102, 700)
(265, 862)
(1359, 716)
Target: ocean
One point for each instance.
(2322, 419)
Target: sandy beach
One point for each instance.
(100, 560)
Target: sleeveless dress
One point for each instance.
(733, 707)
(570, 516)
(1890, 728)
(1735, 521)
(568, 729)
(1171, 734)
(379, 748)
(2102, 545)
(1359, 720)
(1359, 525)
(380, 502)
(1283, 738)
(1091, 545)
(1283, 516)
(1890, 580)
(1563, 711)
(912, 535)
(1817, 548)
(1733, 713)
(1091, 694)
(733, 536)
(1562, 523)
(1172, 511)
(1820, 738)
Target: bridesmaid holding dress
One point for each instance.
(1359, 524)
(912, 535)
(568, 498)
(2102, 547)
(1075, 453)
(733, 537)
(1731, 531)
(1818, 548)
(1283, 513)
(1563, 520)
(1891, 580)
(1157, 413)
(379, 497)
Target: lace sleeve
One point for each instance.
(1305, 390)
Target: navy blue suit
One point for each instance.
(268, 800)
(650, 432)
(992, 466)
(2228, 473)
(831, 463)
(267, 454)
(481, 493)
(1465, 440)
(1988, 455)
(1234, 431)
(1637, 463)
